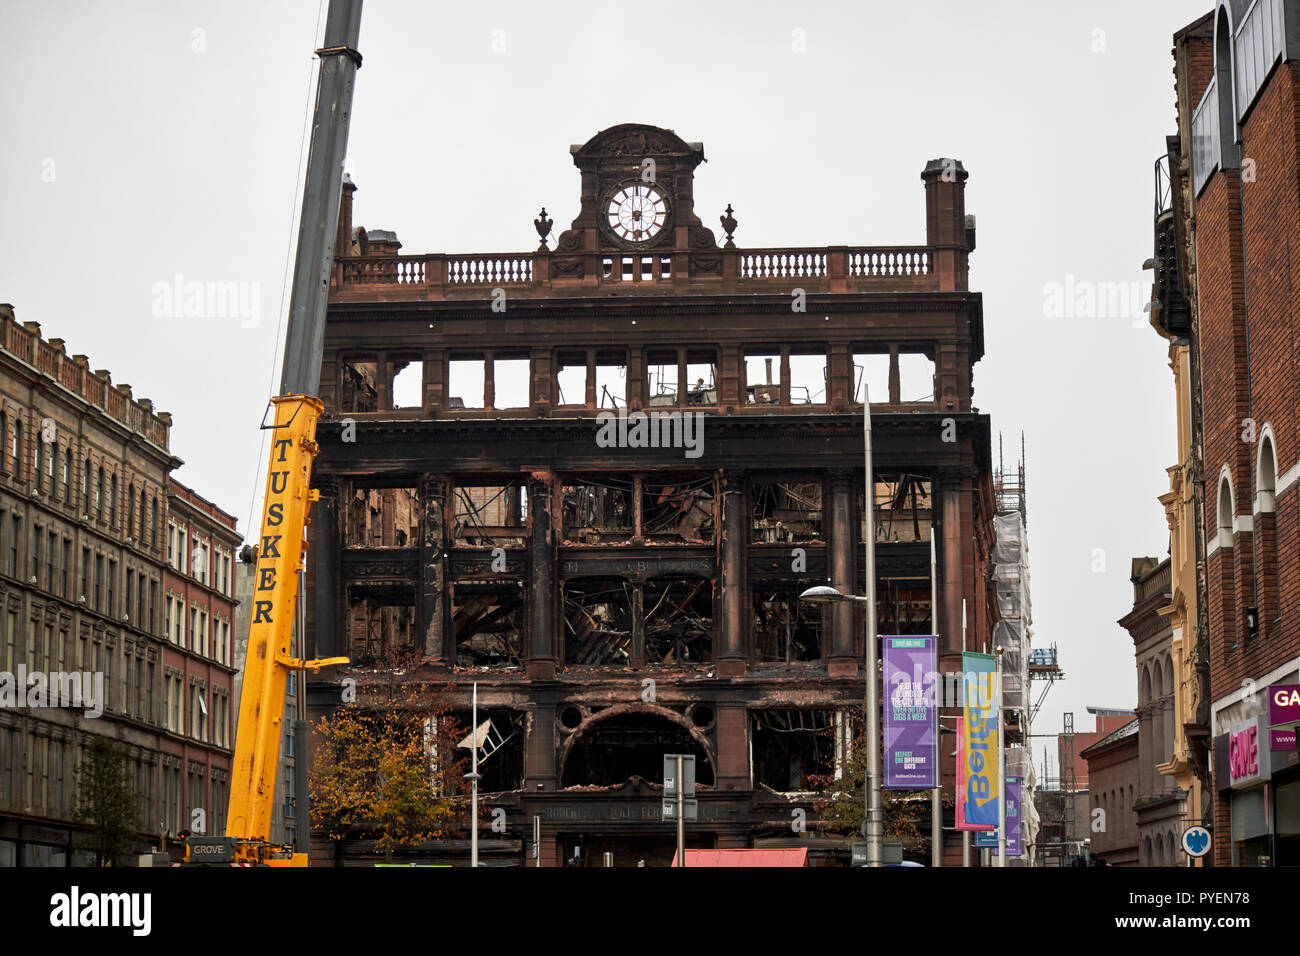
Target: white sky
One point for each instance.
(136, 149)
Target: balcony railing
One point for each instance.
(825, 269)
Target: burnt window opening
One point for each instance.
(678, 620)
(488, 621)
(677, 509)
(382, 518)
(501, 758)
(904, 509)
(490, 516)
(597, 510)
(696, 369)
(788, 512)
(598, 622)
(785, 629)
(614, 750)
(591, 378)
(360, 386)
(894, 377)
(701, 377)
(808, 378)
(511, 381)
(467, 382)
(406, 382)
(902, 605)
(381, 626)
(763, 378)
(792, 747)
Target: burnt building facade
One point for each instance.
(594, 478)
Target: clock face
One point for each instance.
(637, 212)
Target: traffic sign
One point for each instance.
(670, 774)
(1196, 841)
(690, 809)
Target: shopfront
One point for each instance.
(1257, 772)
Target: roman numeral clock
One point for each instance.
(636, 219)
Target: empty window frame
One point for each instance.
(591, 378)
(488, 622)
(763, 378)
(785, 629)
(677, 509)
(406, 381)
(904, 509)
(511, 381)
(894, 376)
(808, 376)
(696, 367)
(490, 515)
(792, 748)
(501, 758)
(597, 508)
(678, 616)
(381, 626)
(382, 518)
(467, 381)
(598, 622)
(360, 386)
(786, 512)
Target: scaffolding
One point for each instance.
(1011, 633)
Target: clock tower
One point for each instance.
(637, 197)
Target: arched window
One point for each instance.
(1225, 89)
(1227, 509)
(85, 489)
(38, 454)
(130, 510)
(142, 503)
(67, 474)
(1157, 717)
(112, 500)
(99, 494)
(1268, 570)
(153, 515)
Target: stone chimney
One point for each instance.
(945, 221)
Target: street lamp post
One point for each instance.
(827, 595)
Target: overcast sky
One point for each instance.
(148, 140)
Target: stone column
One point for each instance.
(730, 652)
(539, 753)
(733, 746)
(842, 661)
(433, 568)
(541, 573)
(951, 584)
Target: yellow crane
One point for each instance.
(289, 495)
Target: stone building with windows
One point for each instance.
(495, 508)
(83, 487)
(1160, 806)
(1225, 282)
(198, 662)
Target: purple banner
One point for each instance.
(910, 710)
(1284, 704)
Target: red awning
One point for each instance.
(745, 857)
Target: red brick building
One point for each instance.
(616, 601)
(1113, 772)
(1234, 248)
(198, 671)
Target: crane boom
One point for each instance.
(288, 499)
